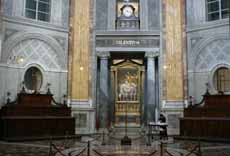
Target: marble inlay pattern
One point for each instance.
(34, 51)
(216, 52)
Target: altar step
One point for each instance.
(132, 132)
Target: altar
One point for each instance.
(127, 82)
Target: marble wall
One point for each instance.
(59, 10)
(101, 14)
(40, 44)
(208, 48)
(195, 11)
(154, 14)
(8, 7)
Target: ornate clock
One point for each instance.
(128, 10)
(127, 20)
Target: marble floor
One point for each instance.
(112, 147)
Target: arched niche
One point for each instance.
(33, 79)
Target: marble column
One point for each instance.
(103, 90)
(151, 86)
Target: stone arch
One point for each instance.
(198, 50)
(20, 37)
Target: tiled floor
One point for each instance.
(175, 147)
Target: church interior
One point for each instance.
(115, 77)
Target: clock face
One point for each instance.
(128, 11)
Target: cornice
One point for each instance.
(207, 25)
(35, 23)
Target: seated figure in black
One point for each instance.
(163, 128)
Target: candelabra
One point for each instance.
(126, 140)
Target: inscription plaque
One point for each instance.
(147, 43)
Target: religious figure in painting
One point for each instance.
(128, 89)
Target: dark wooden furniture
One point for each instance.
(35, 100)
(210, 120)
(34, 117)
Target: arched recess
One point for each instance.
(203, 60)
(211, 76)
(44, 76)
(20, 37)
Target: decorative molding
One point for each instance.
(35, 23)
(207, 25)
(18, 67)
(178, 105)
(103, 54)
(83, 104)
(152, 54)
(143, 33)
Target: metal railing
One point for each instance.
(102, 149)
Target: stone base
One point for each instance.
(87, 123)
(173, 111)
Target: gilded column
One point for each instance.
(151, 86)
(104, 90)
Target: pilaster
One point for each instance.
(173, 87)
(81, 51)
